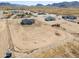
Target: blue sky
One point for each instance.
(34, 2)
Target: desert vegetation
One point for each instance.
(51, 10)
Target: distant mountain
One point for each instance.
(9, 4)
(60, 5)
(2, 4)
(65, 4)
(39, 5)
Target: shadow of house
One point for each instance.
(27, 21)
(69, 18)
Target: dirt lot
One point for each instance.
(39, 39)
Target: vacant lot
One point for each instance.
(39, 39)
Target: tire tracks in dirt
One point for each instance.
(11, 46)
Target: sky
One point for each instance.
(34, 2)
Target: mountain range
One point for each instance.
(60, 5)
(65, 4)
(9, 4)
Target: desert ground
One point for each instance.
(40, 39)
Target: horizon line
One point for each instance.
(29, 3)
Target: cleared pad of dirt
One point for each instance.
(38, 40)
(28, 38)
